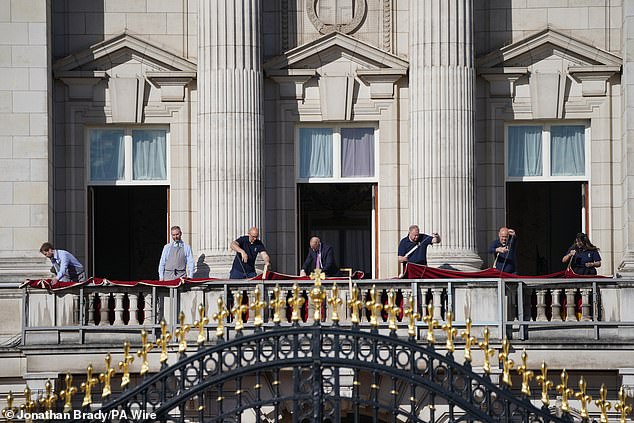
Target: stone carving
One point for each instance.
(360, 9)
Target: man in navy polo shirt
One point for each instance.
(413, 248)
(247, 248)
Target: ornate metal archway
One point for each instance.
(389, 379)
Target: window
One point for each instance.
(346, 154)
(128, 156)
(548, 151)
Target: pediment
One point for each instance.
(332, 48)
(546, 45)
(122, 49)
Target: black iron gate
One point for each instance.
(319, 374)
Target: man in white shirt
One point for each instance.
(177, 259)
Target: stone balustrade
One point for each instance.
(535, 309)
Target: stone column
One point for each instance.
(442, 81)
(230, 129)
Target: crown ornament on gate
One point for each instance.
(29, 405)
(181, 333)
(413, 316)
(335, 302)
(219, 317)
(583, 398)
(50, 397)
(431, 324)
(507, 363)
(565, 391)
(124, 365)
(257, 306)
(470, 341)
(10, 411)
(545, 384)
(450, 331)
(317, 294)
(392, 311)
(296, 302)
(622, 407)
(146, 347)
(237, 311)
(67, 393)
(86, 386)
(526, 374)
(106, 377)
(603, 404)
(163, 342)
(355, 305)
(277, 304)
(487, 350)
(200, 324)
(374, 307)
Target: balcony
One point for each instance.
(549, 311)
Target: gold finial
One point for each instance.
(622, 407)
(162, 342)
(86, 386)
(507, 363)
(392, 309)
(545, 383)
(181, 333)
(202, 321)
(218, 317)
(431, 324)
(67, 394)
(526, 374)
(237, 311)
(469, 340)
(565, 391)
(603, 404)
(29, 405)
(413, 317)
(583, 398)
(296, 302)
(355, 305)
(374, 306)
(487, 350)
(9, 411)
(335, 301)
(146, 347)
(277, 304)
(50, 398)
(317, 294)
(450, 331)
(257, 305)
(106, 377)
(125, 364)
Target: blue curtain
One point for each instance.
(315, 151)
(567, 150)
(106, 155)
(149, 155)
(524, 151)
(357, 152)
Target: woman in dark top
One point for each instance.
(585, 256)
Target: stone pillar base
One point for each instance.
(213, 266)
(464, 261)
(626, 267)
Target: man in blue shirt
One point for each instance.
(247, 248)
(177, 259)
(67, 267)
(503, 249)
(413, 248)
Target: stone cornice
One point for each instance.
(589, 53)
(94, 53)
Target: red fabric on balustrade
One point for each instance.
(418, 271)
(174, 283)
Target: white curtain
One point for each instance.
(148, 156)
(524, 151)
(106, 155)
(357, 152)
(567, 150)
(315, 151)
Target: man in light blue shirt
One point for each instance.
(177, 260)
(67, 267)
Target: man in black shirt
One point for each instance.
(247, 248)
